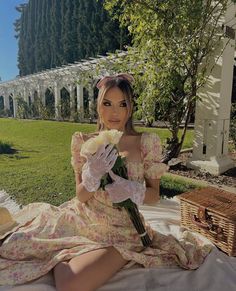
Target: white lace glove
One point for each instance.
(122, 189)
(98, 165)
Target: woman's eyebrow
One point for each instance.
(111, 101)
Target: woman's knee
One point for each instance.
(69, 286)
(67, 280)
(62, 276)
(100, 265)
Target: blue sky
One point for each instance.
(8, 43)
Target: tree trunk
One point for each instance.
(174, 145)
(172, 151)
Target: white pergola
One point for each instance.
(75, 78)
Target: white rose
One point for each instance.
(113, 136)
(102, 139)
(105, 137)
(89, 147)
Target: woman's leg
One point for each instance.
(88, 271)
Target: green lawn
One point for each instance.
(41, 170)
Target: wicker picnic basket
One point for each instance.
(212, 213)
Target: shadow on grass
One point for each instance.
(15, 154)
(17, 157)
(7, 151)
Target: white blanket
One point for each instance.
(217, 273)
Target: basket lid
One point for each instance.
(214, 199)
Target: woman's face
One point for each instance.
(114, 110)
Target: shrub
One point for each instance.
(171, 186)
(5, 113)
(23, 109)
(137, 115)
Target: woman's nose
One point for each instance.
(115, 109)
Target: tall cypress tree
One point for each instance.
(55, 34)
(38, 36)
(22, 59)
(52, 33)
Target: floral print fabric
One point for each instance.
(60, 233)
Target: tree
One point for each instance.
(172, 43)
(52, 33)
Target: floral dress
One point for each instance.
(51, 234)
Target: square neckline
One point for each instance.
(141, 151)
(141, 148)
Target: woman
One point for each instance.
(86, 240)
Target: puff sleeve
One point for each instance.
(152, 154)
(77, 161)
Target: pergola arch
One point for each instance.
(49, 102)
(35, 94)
(1, 103)
(11, 105)
(86, 102)
(65, 103)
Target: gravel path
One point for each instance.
(227, 179)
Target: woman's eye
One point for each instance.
(106, 103)
(123, 104)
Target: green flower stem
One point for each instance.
(120, 169)
(134, 215)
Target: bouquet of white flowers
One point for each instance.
(90, 147)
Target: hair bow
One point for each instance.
(124, 76)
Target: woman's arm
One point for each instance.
(152, 195)
(82, 194)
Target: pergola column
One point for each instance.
(80, 101)
(31, 95)
(41, 94)
(57, 95)
(14, 106)
(25, 95)
(212, 117)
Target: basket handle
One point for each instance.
(202, 219)
(198, 222)
(207, 225)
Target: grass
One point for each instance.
(40, 169)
